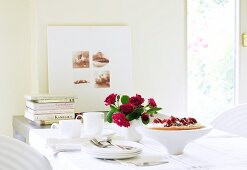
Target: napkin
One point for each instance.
(54, 150)
(69, 145)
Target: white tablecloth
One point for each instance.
(215, 151)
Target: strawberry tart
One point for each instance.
(174, 123)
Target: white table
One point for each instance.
(216, 151)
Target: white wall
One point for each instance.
(158, 46)
(15, 60)
(158, 41)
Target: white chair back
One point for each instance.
(17, 155)
(233, 120)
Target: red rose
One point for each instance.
(152, 102)
(111, 99)
(136, 100)
(126, 108)
(120, 119)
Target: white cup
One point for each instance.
(93, 123)
(68, 128)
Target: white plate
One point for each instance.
(94, 153)
(89, 147)
(114, 156)
(112, 152)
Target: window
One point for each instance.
(211, 57)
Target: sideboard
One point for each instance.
(22, 126)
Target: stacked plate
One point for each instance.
(117, 151)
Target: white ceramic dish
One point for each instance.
(174, 140)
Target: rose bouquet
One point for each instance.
(124, 109)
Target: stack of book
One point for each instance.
(48, 109)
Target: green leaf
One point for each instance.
(109, 116)
(135, 114)
(130, 117)
(125, 99)
(139, 110)
(114, 108)
(153, 110)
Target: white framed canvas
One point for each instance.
(89, 61)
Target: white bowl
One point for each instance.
(174, 140)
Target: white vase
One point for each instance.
(131, 134)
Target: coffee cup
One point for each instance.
(93, 123)
(68, 128)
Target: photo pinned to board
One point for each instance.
(81, 59)
(102, 79)
(82, 78)
(100, 59)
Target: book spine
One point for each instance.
(49, 106)
(33, 117)
(57, 111)
(49, 97)
(54, 100)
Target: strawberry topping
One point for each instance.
(174, 121)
